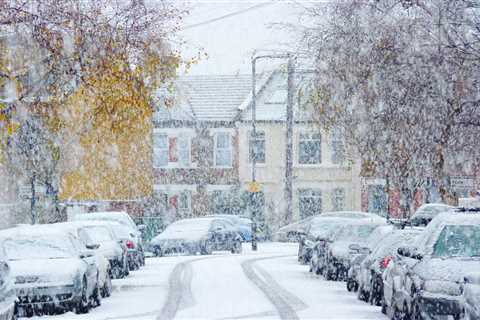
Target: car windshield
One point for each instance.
(458, 241)
(188, 226)
(389, 244)
(38, 247)
(121, 232)
(355, 232)
(98, 234)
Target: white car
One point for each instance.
(103, 264)
(471, 296)
(52, 270)
(119, 217)
(7, 294)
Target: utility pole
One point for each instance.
(289, 145)
(254, 186)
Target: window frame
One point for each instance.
(157, 150)
(308, 137)
(216, 149)
(251, 140)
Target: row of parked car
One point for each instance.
(426, 268)
(203, 235)
(69, 266)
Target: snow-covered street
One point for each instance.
(268, 284)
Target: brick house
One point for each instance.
(195, 145)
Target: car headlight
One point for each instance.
(444, 287)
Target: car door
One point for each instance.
(90, 262)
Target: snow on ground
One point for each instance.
(267, 284)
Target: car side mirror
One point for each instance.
(141, 227)
(403, 252)
(93, 246)
(354, 247)
(86, 254)
(409, 253)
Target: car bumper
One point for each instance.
(47, 295)
(180, 248)
(440, 304)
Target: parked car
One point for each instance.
(359, 252)
(102, 234)
(471, 296)
(127, 238)
(7, 294)
(431, 271)
(307, 241)
(242, 225)
(320, 234)
(83, 232)
(202, 235)
(427, 212)
(119, 217)
(348, 241)
(370, 275)
(291, 232)
(51, 269)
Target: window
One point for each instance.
(338, 199)
(257, 147)
(160, 150)
(309, 148)
(377, 199)
(223, 149)
(171, 150)
(338, 147)
(310, 202)
(184, 203)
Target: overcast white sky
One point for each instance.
(230, 41)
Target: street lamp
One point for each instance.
(254, 186)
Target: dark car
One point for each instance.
(428, 276)
(348, 241)
(7, 294)
(471, 296)
(198, 235)
(51, 271)
(427, 212)
(370, 275)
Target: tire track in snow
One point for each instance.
(284, 302)
(179, 290)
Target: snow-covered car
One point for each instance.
(194, 235)
(432, 270)
(370, 275)
(242, 225)
(82, 231)
(7, 294)
(101, 233)
(348, 241)
(134, 254)
(51, 269)
(291, 232)
(320, 234)
(307, 239)
(358, 253)
(427, 212)
(471, 296)
(119, 217)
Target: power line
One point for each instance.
(228, 15)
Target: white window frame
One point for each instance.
(179, 135)
(157, 150)
(185, 211)
(335, 193)
(300, 139)
(250, 141)
(215, 149)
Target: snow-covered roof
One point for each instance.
(207, 98)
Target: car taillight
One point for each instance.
(385, 262)
(130, 244)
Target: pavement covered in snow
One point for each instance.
(267, 284)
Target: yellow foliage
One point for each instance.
(112, 115)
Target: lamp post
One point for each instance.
(254, 189)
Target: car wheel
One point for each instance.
(107, 287)
(237, 247)
(384, 306)
(206, 248)
(97, 296)
(83, 305)
(350, 285)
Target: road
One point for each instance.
(267, 284)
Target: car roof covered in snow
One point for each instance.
(117, 216)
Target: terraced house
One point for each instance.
(203, 149)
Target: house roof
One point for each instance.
(208, 97)
(228, 98)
